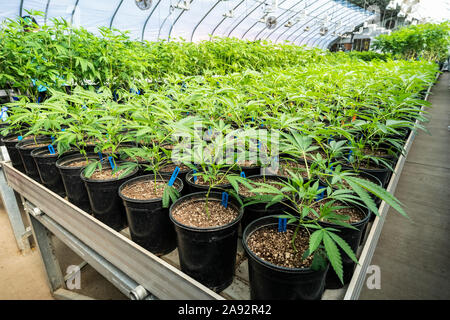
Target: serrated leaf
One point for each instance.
(333, 256)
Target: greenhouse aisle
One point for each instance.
(21, 275)
(413, 256)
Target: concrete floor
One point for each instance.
(414, 256)
(22, 275)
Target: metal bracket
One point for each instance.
(138, 293)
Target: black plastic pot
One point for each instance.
(353, 239)
(10, 142)
(104, 198)
(149, 223)
(48, 172)
(272, 282)
(208, 254)
(194, 188)
(382, 174)
(258, 210)
(25, 148)
(249, 170)
(73, 185)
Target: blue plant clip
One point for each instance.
(195, 177)
(51, 149)
(20, 138)
(282, 224)
(16, 99)
(100, 156)
(242, 174)
(63, 129)
(111, 162)
(53, 138)
(225, 199)
(174, 176)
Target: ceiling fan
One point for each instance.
(143, 4)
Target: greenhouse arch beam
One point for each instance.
(162, 24)
(46, 11)
(223, 19)
(148, 18)
(309, 21)
(323, 42)
(246, 16)
(203, 18)
(292, 33)
(20, 8)
(73, 11)
(281, 34)
(254, 24)
(343, 15)
(176, 20)
(114, 14)
(343, 28)
(281, 24)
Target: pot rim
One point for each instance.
(259, 260)
(85, 179)
(64, 158)
(189, 177)
(273, 176)
(144, 177)
(200, 196)
(21, 144)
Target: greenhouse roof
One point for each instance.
(306, 22)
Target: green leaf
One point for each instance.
(315, 240)
(344, 246)
(333, 255)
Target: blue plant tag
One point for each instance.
(51, 149)
(282, 223)
(321, 195)
(42, 88)
(4, 114)
(111, 162)
(195, 177)
(174, 176)
(225, 199)
(100, 156)
(242, 174)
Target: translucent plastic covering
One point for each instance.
(305, 22)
